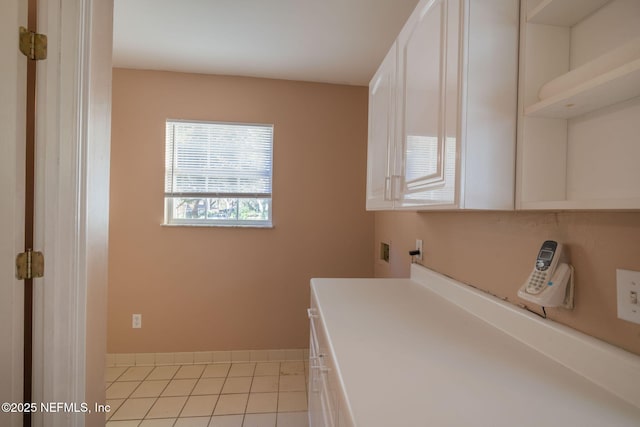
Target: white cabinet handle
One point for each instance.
(396, 180)
(392, 187)
(321, 368)
(387, 188)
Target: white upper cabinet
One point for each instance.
(579, 105)
(448, 138)
(382, 94)
(427, 104)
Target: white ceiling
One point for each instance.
(333, 41)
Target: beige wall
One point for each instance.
(495, 251)
(225, 288)
(220, 289)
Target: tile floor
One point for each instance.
(262, 394)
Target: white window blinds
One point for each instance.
(209, 165)
(218, 159)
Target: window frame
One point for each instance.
(169, 197)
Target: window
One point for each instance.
(218, 173)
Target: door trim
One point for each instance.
(72, 194)
(12, 172)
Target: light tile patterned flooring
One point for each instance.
(262, 394)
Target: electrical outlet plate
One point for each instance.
(136, 321)
(384, 251)
(419, 247)
(628, 283)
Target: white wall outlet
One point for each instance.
(136, 321)
(419, 247)
(628, 285)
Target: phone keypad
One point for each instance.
(537, 282)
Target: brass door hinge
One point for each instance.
(29, 265)
(33, 45)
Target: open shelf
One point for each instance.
(579, 106)
(565, 13)
(614, 86)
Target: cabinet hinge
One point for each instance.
(33, 45)
(29, 265)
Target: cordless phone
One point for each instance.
(545, 266)
(550, 284)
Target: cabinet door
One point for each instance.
(322, 390)
(315, 387)
(427, 99)
(381, 133)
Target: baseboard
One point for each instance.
(204, 357)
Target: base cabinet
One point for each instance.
(431, 351)
(442, 110)
(327, 405)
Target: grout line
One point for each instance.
(244, 415)
(149, 410)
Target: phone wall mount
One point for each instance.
(558, 292)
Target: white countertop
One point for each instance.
(408, 357)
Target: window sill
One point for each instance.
(266, 226)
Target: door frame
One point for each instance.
(72, 206)
(13, 69)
